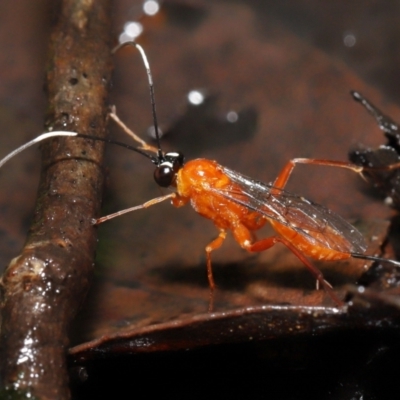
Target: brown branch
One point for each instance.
(44, 286)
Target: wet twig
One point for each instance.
(44, 287)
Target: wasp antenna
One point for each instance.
(48, 135)
(154, 159)
(34, 141)
(373, 258)
(151, 86)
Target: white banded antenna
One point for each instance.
(151, 87)
(34, 141)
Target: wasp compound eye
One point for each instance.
(164, 174)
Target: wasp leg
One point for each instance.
(127, 210)
(267, 243)
(143, 145)
(215, 244)
(244, 238)
(284, 175)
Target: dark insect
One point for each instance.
(381, 165)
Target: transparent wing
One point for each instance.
(318, 224)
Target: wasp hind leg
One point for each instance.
(243, 237)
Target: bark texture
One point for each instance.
(44, 287)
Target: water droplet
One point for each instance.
(131, 31)
(349, 39)
(232, 116)
(151, 132)
(151, 7)
(196, 97)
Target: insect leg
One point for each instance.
(215, 244)
(267, 243)
(141, 206)
(284, 175)
(143, 145)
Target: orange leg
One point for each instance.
(143, 145)
(284, 175)
(267, 243)
(215, 244)
(127, 210)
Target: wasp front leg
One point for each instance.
(139, 207)
(214, 245)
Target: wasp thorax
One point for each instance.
(165, 173)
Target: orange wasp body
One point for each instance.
(242, 205)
